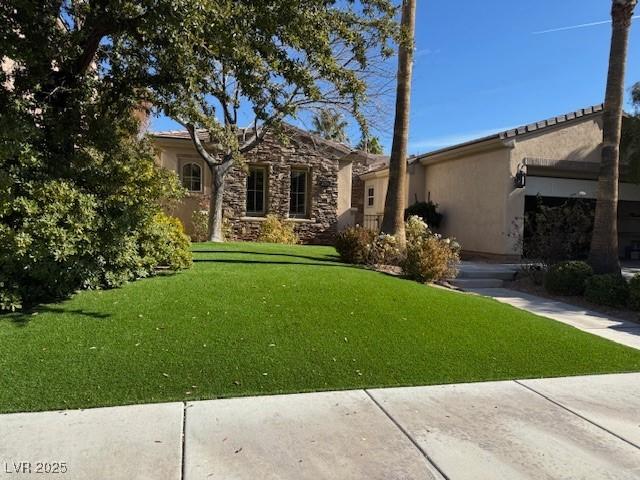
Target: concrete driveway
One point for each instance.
(565, 428)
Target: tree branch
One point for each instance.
(206, 156)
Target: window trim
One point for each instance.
(186, 163)
(265, 187)
(307, 193)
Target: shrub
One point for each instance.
(557, 233)
(164, 244)
(227, 230)
(427, 211)
(634, 292)
(200, 222)
(82, 219)
(428, 256)
(353, 244)
(611, 290)
(567, 278)
(276, 230)
(384, 250)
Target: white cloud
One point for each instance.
(435, 143)
(574, 27)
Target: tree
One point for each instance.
(394, 206)
(330, 125)
(370, 145)
(274, 60)
(630, 137)
(603, 255)
(80, 193)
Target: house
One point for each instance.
(301, 177)
(484, 187)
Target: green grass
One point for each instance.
(258, 319)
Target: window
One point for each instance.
(256, 182)
(192, 177)
(370, 197)
(298, 194)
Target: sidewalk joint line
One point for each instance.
(406, 434)
(564, 407)
(184, 437)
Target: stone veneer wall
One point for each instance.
(322, 164)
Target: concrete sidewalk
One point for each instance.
(620, 331)
(578, 427)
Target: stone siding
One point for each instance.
(278, 158)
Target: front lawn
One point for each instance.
(257, 319)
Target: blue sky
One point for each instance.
(482, 67)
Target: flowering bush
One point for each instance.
(383, 250)
(428, 256)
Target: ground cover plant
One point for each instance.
(262, 319)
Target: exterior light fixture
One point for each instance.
(520, 179)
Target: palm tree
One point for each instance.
(370, 145)
(394, 205)
(330, 125)
(603, 256)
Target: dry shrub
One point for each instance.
(353, 244)
(428, 257)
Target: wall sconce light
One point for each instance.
(520, 179)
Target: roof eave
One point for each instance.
(480, 145)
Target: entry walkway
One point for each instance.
(563, 428)
(620, 331)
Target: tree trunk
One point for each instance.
(603, 255)
(218, 173)
(393, 220)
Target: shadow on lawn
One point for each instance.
(328, 258)
(319, 263)
(23, 318)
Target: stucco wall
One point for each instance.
(346, 217)
(577, 141)
(471, 192)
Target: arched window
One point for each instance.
(192, 177)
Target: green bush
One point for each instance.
(557, 233)
(427, 211)
(200, 222)
(567, 278)
(85, 218)
(164, 244)
(428, 256)
(277, 230)
(611, 290)
(353, 244)
(634, 292)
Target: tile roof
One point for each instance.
(204, 136)
(526, 129)
(550, 122)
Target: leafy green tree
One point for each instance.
(80, 193)
(330, 125)
(370, 145)
(271, 60)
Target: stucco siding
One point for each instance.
(345, 214)
(579, 141)
(472, 192)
